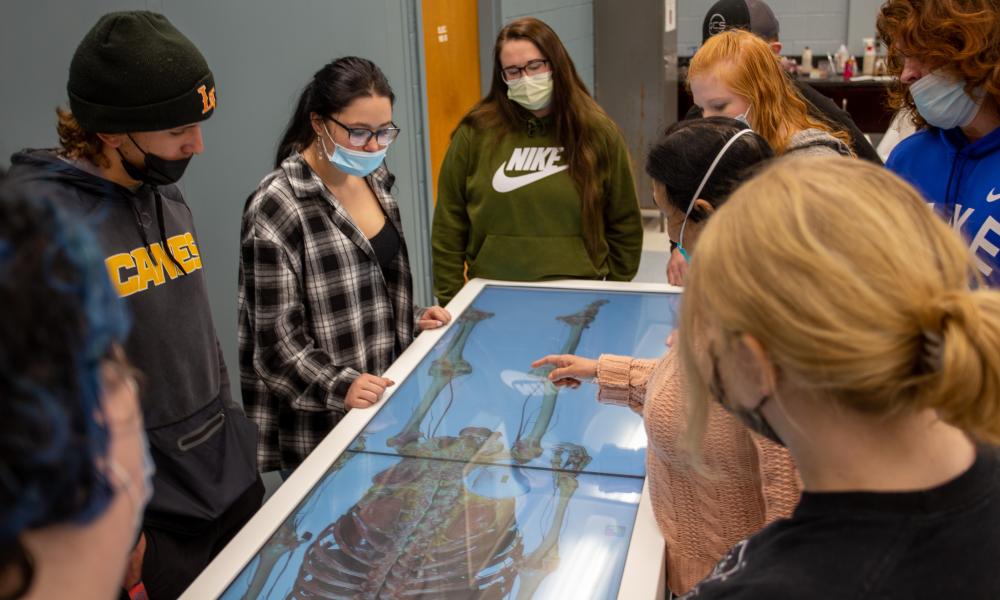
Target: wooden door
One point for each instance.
(451, 51)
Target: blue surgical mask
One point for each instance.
(352, 162)
(701, 186)
(942, 101)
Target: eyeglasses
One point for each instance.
(532, 67)
(359, 136)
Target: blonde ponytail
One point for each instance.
(966, 389)
(856, 289)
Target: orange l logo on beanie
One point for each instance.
(207, 99)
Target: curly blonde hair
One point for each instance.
(957, 35)
(748, 66)
(77, 143)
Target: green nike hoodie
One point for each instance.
(508, 209)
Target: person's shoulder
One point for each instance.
(470, 133)
(274, 199)
(815, 141)
(607, 128)
(924, 138)
(467, 137)
(922, 146)
(762, 589)
(751, 570)
(466, 128)
(607, 134)
(821, 101)
(797, 557)
(172, 193)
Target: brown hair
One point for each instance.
(77, 143)
(751, 69)
(855, 290)
(581, 125)
(958, 35)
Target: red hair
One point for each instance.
(748, 67)
(960, 36)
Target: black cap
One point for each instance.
(134, 71)
(752, 15)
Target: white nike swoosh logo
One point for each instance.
(504, 183)
(992, 197)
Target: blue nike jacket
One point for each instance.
(962, 181)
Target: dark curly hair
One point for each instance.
(681, 157)
(957, 35)
(60, 321)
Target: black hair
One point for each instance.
(685, 151)
(60, 320)
(331, 90)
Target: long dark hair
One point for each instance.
(331, 90)
(579, 120)
(685, 151)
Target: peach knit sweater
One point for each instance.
(751, 481)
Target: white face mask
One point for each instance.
(125, 482)
(533, 92)
(701, 186)
(744, 118)
(941, 100)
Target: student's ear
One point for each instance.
(112, 140)
(775, 47)
(317, 123)
(703, 209)
(766, 372)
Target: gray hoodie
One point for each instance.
(203, 445)
(816, 142)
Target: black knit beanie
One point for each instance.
(134, 71)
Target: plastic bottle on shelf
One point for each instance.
(868, 66)
(841, 58)
(849, 67)
(807, 60)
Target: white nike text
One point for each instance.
(540, 160)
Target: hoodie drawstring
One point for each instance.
(162, 229)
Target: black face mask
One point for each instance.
(753, 419)
(156, 171)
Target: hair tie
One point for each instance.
(931, 350)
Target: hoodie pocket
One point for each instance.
(533, 258)
(204, 462)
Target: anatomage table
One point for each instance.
(475, 477)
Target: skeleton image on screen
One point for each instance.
(420, 531)
(427, 504)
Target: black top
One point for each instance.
(939, 543)
(826, 109)
(385, 243)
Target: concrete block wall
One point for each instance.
(573, 22)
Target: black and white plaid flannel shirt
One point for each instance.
(315, 309)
